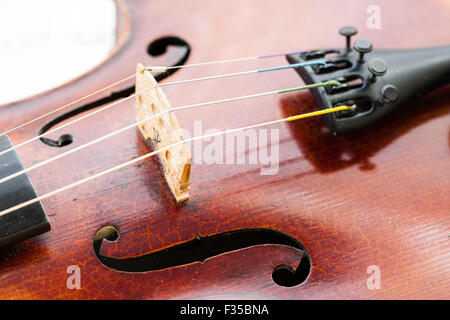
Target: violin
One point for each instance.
(122, 184)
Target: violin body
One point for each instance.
(378, 196)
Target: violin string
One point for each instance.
(150, 154)
(296, 65)
(161, 69)
(185, 107)
(68, 105)
(165, 68)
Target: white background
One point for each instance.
(46, 43)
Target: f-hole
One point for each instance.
(201, 248)
(155, 48)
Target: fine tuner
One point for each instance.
(377, 81)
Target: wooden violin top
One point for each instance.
(376, 197)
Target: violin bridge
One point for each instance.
(163, 131)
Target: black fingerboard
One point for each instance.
(24, 223)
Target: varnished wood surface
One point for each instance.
(376, 197)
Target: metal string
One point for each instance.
(156, 69)
(150, 154)
(190, 106)
(296, 65)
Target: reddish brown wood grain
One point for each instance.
(376, 197)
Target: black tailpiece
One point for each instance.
(376, 81)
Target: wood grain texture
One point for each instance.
(376, 197)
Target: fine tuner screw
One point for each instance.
(363, 47)
(377, 67)
(390, 93)
(348, 32)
